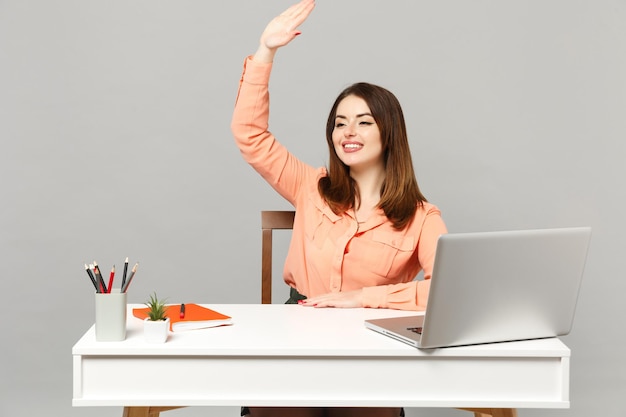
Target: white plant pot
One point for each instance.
(156, 331)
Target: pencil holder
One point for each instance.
(111, 316)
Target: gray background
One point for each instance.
(114, 121)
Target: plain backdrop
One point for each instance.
(115, 132)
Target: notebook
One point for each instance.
(195, 317)
(497, 286)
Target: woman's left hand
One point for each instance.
(348, 299)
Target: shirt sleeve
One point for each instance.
(411, 295)
(283, 171)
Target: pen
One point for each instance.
(96, 270)
(91, 277)
(130, 278)
(111, 278)
(125, 269)
(182, 311)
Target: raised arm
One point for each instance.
(282, 170)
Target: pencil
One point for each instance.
(92, 271)
(96, 270)
(124, 275)
(111, 278)
(91, 277)
(130, 278)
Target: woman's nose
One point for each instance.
(349, 131)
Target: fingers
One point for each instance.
(283, 28)
(314, 302)
(295, 9)
(299, 12)
(320, 304)
(298, 8)
(296, 15)
(349, 299)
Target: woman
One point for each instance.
(362, 229)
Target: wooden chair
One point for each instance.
(270, 221)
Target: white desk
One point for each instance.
(289, 355)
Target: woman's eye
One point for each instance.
(339, 125)
(367, 123)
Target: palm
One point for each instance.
(283, 28)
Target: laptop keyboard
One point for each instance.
(417, 330)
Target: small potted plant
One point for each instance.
(156, 325)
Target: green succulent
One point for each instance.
(156, 308)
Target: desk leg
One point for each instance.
(145, 411)
(492, 412)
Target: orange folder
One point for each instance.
(196, 317)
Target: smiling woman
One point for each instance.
(380, 176)
(356, 138)
(362, 229)
(369, 189)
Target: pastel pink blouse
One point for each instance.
(330, 252)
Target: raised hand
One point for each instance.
(283, 29)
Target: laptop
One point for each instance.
(497, 286)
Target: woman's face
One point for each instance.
(356, 136)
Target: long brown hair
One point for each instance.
(399, 195)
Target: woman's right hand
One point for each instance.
(282, 30)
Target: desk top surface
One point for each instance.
(293, 330)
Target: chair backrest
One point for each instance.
(270, 221)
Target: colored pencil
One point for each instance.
(96, 270)
(125, 269)
(91, 277)
(111, 278)
(130, 278)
